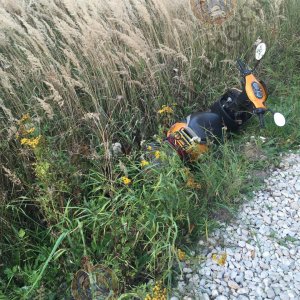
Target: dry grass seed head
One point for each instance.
(142, 11)
(46, 107)
(56, 97)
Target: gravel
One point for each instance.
(261, 247)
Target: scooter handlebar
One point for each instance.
(241, 65)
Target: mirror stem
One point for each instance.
(256, 65)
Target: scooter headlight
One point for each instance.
(258, 92)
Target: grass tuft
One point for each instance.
(79, 77)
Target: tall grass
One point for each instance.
(86, 62)
(90, 73)
(76, 67)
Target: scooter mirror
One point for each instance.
(260, 51)
(279, 119)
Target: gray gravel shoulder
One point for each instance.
(260, 249)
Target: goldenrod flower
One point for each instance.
(144, 163)
(126, 180)
(24, 118)
(157, 154)
(148, 297)
(159, 293)
(181, 254)
(33, 143)
(29, 131)
(24, 141)
(166, 110)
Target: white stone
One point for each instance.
(214, 293)
(233, 285)
(249, 247)
(297, 276)
(270, 293)
(242, 297)
(265, 262)
(248, 274)
(266, 254)
(239, 278)
(181, 287)
(242, 244)
(204, 297)
(243, 290)
(263, 274)
(238, 256)
(187, 270)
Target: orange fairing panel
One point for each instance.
(258, 103)
(176, 127)
(183, 145)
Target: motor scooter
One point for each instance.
(192, 136)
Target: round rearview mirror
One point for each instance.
(279, 119)
(260, 51)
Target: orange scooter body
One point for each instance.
(183, 143)
(258, 102)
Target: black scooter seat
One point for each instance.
(206, 125)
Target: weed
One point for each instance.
(81, 76)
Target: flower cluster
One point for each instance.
(181, 255)
(165, 110)
(31, 142)
(24, 119)
(126, 180)
(157, 154)
(159, 293)
(144, 163)
(27, 133)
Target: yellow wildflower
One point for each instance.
(181, 254)
(126, 180)
(220, 259)
(166, 110)
(149, 148)
(159, 293)
(24, 141)
(144, 163)
(24, 118)
(148, 297)
(29, 131)
(157, 154)
(33, 143)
